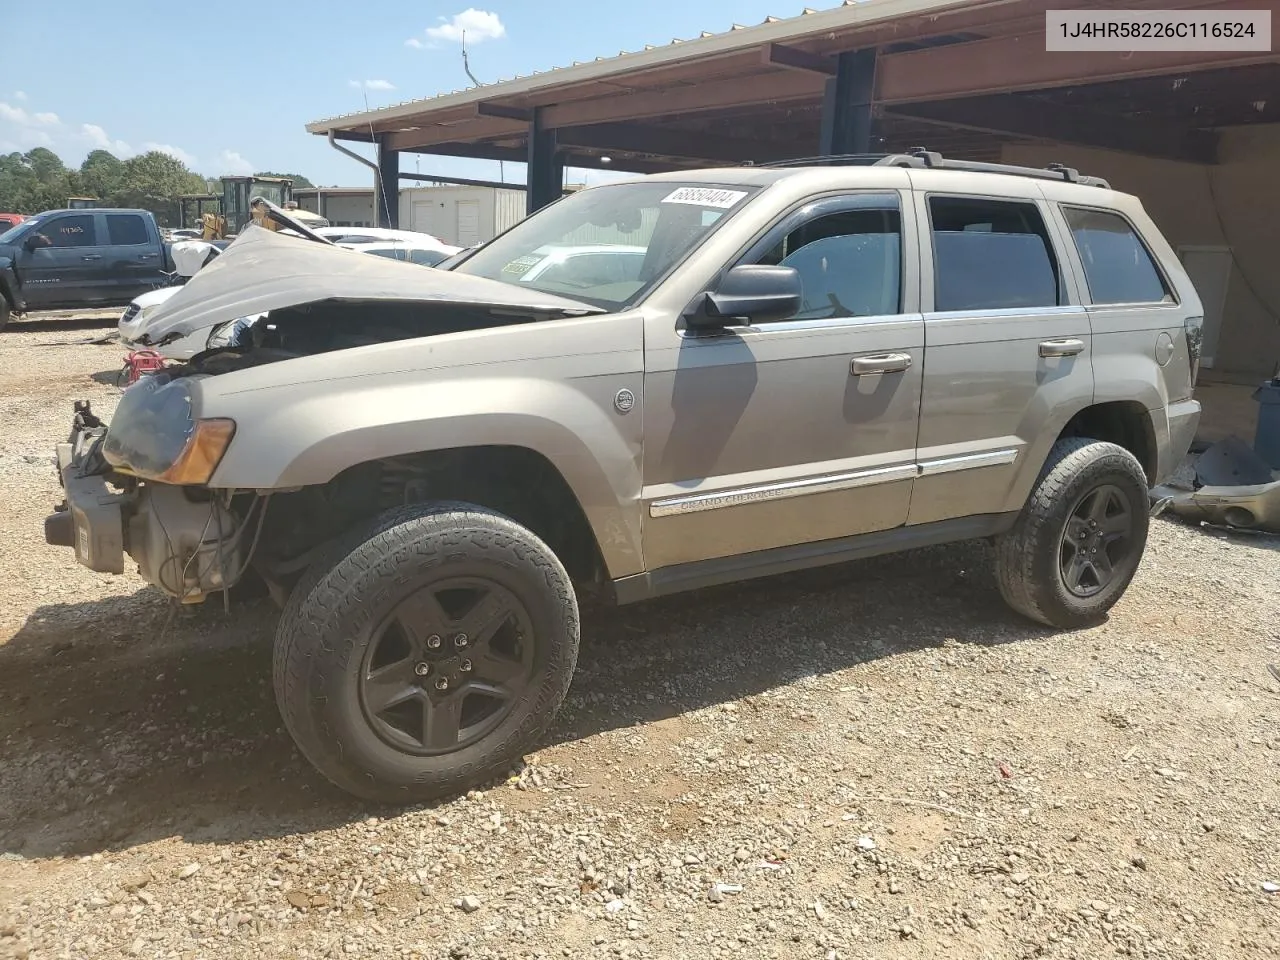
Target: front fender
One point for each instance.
(289, 438)
(9, 286)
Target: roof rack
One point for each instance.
(921, 158)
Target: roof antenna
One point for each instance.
(465, 65)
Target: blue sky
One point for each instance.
(202, 80)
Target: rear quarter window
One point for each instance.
(1117, 264)
(127, 229)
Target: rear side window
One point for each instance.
(1117, 264)
(126, 229)
(73, 231)
(991, 255)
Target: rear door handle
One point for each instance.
(146, 256)
(1061, 348)
(880, 363)
(92, 256)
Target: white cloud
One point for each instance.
(233, 163)
(371, 84)
(99, 140)
(22, 118)
(19, 95)
(415, 43)
(477, 25)
(176, 152)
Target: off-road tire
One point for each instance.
(1028, 567)
(5, 311)
(326, 625)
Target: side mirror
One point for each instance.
(754, 293)
(32, 243)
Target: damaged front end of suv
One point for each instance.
(149, 485)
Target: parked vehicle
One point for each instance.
(72, 259)
(189, 257)
(355, 235)
(813, 363)
(399, 250)
(10, 220)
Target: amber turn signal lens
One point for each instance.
(200, 456)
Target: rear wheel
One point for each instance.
(4, 311)
(1078, 541)
(428, 654)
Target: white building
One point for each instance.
(459, 215)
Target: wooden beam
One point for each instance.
(481, 128)
(666, 142)
(780, 55)
(486, 109)
(712, 95)
(1010, 64)
(1021, 116)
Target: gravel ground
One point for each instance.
(876, 760)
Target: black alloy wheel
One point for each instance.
(1097, 540)
(446, 666)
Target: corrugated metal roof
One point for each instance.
(808, 23)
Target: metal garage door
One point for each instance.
(468, 223)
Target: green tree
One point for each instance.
(154, 181)
(35, 181)
(298, 179)
(101, 173)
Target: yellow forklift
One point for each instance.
(236, 211)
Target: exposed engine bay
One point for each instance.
(338, 325)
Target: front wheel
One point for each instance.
(1080, 537)
(428, 655)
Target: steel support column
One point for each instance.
(546, 169)
(386, 189)
(846, 104)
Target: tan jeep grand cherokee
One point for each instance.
(739, 372)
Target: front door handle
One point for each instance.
(146, 256)
(92, 256)
(880, 363)
(1061, 348)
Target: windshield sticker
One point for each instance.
(705, 197)
(521, 265)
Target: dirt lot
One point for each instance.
(878, 760)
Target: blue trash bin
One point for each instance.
(1266, 440)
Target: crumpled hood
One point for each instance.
(263, 270)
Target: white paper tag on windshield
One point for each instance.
(705, 196)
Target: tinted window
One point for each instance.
(126, 229)
(1117, 265)
(76, 231)
(392, 254)
(850, 263)
(991, 255)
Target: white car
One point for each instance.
(578, 265)
(396, 250)
(363, 235)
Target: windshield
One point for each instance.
(13, 233)
(608, 245)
